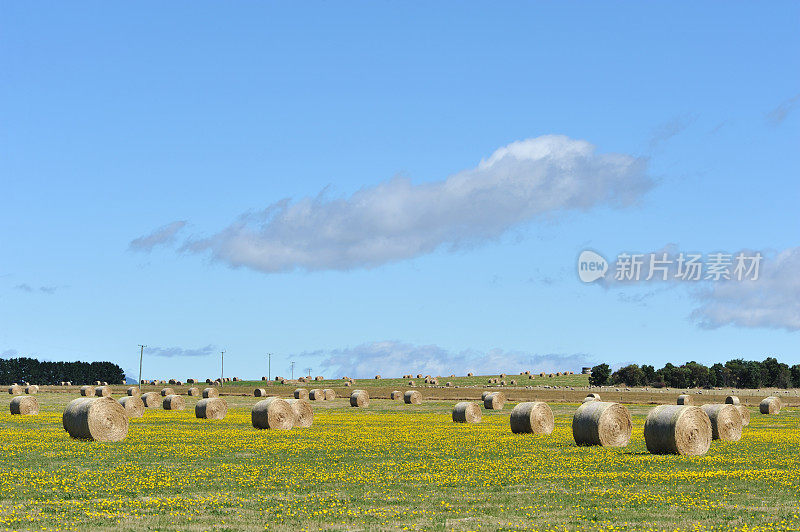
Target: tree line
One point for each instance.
(737, 373)
(25, 369)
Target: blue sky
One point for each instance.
(322, 181)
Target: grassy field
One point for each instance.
(390, 466)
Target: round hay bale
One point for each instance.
(348, 383)
(98, 383)
(318, 378)
(301, 393)
(411, 383)
(732, 400)
(151, 400)
(770, 405)
(494, 401)
(174, 402)
(466, 412)
(469, 374)
(316, 395)
(726, 421)
(602, 423)
(396, 395)
(448, 384)
(210, 392)
(532, 418)
(102, 391)
(745, 413)
(359, 398)
(588, 399)
(259, 392)
(412, 397)
(167, 391)
(419, 375)
(211, 408)
(677, 429)
(685, 399)
(502, 383)
(303, 414)
(330, 395)
(24, 405)
(95, 418)
(134, 391)
(272, 413)
(133, 405)
(484, 394)
(377, 377)
(593, 396)
(194, 391)
(32, 389)
(86, 391)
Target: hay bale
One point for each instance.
(411, 383)
(348, 384)
(194, 391)
(15, 389)
(466, 412)
(745, 413)
(494, 401)
(770, 405)
(102, 391)
(484, 394)
(272, 413)
(396, 395)
(588, 399)
(210, 392)
(602, 423)
(412, 397)
(448, 384)
(732, 400)
(316, 395)
(151, 400)
(532, 418)
(330, 395)
(31, 389)
(726, 421)
(98, 383)
(133, 405)
(301, 393)
(24, 405)
(259, 392)
(211, 408)
(678, 429)
(469, 374)
(593, 396)
(359, 398)
(134, 391)
(318, 378)
(303, 414)
(377, 377)
(95, 418)
(167, 391)
(685, 399)
(174, 402)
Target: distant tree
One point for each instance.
(31, 370)
(796, 376)
(699, 375)
(600, 376)
(631, 375)
(649, 374)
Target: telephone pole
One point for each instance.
(292, 365)
(141, 355)
(222, 369)
(269, 367)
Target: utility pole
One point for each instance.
(141, 354)
(222, 369)
(269, 367)
(292, 364)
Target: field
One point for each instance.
(390, 466)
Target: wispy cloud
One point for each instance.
(180, 351)
(779, 114)
(161, 236)
(397, 358)
(25, 287)
(10, 353)
(398, 220)
(667, 130)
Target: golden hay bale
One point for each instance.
(301, 393)
(303, 414)
(151, 400)
(330, 395)
(134, 391)
(396, 395)
(102, 391)
(419, 375)
(593, 395)
(15, 389)
(31, 389)
(95, 418)
(210, 392)
(194, 391)
(502, 383)
(316, 395)
(412, 397)
(602, 423)
(318, 378)
(174, 402)
(359, 398)
(24, 405)
(98, 383)
(745, 413)
(133, 405)
(167, 391)
(377, 377)
(677, 429)
(532, 418)
(685, 399)
(770, 405)
(484, 394)
(732, 400)
(411, 383)
(211, 408)
(494, 401)
(192, 381)
(469, 374)
(259, 392)
(726, 421)
(466, 412)
(348, 384)
(272, 413)
(448, 384)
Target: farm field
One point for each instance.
(389, 466)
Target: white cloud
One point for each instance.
(179, 351)
(396, 358)
(667, 130)
(398, 220)
(162, 235)
(779, 114)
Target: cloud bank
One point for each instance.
(170, 352)
(161, 236)
(398, 220)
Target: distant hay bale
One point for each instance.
(685, 399)
(745, 413)
(24, 405)
(303, 414)
(770, 405)
(348, 383)
(593, 396)
(171, 381)
(448, 384)
(419, 375)
(412, 397)
(151, 400)
(210, 392)
(95, 418)
(359, 398)
(469, 374)
(588, 399)
(98, 383)
(466, 412)
(272, 413)
(433, 381)
(732, 400)
(32, 389)
(532, 418)
(494, 401)
(133, 405)
(301, 393)
(193, 391)
(192, 381)
(211, 408)
(15, 389)
(318, 378)
(484, 394)
(726, 421)
(134, 391)
(316, 395)
(330, 395)
(167, 391)
(209, 381)
(377, 377)
(396, 395)
(259, 392)
(411, 383)
(174, 402)
(678, 429)
(502, 383)
(102, 391)
(602, 423)
(513, 382)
